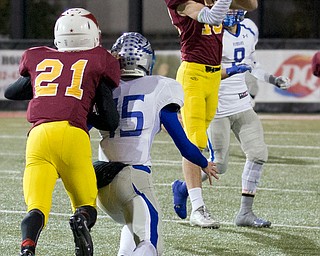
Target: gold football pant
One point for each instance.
(201, 86)
(58, 150)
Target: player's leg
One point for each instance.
(248, 129)
(78, 176)
(195, 121)
(127, 243)
(219, 137)
(38, 184)
(130, 199)
(200, 215)
(145, 215)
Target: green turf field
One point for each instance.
(288, 195)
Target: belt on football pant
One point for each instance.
(211, 69)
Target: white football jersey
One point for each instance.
(139, 102)
(237, 48)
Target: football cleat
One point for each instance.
(81, 234)
(251, 220)
(26, 252)
(202, 218)
(180, 195)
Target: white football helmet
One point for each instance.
(76, 30)
(135, 53)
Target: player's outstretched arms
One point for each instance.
(19, 90)
(216, 14)
(281, 82)
(247, 5)
(188, 150)
(197, 11)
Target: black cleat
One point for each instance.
(81, 234)
(26, 252)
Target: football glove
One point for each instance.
(282, 82)
(237, 69)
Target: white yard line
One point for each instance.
(164, 220)
(169, 185)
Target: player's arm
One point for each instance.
(106, 116)
(281, 82)
(21, 89)
(197, 11)
(169, 119)
(235, 69)
(247, 5)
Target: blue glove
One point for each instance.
(237, 69)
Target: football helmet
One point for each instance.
(135, 54)
(76, 30)
(233, 17)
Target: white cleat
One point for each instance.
(202, 218)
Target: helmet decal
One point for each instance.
(76, 29)
(135, 53)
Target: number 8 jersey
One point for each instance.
(237, 48)
(139, 102)
(64, 83)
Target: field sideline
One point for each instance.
(288, 195)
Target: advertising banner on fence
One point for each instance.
(9, 65)
(295, 64)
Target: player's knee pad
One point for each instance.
(258, 154)
(251, 176)
(90, 213)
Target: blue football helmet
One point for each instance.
(135, 53)
(233, 17)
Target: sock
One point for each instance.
(31, 227)
(196, 198)
(246, 203)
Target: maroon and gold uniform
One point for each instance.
(199, 72)
(58, 146)
(64, 83)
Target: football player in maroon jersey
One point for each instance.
(199, 24)
(65, 87)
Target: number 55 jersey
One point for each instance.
(139, 102)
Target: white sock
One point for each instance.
(196, 199)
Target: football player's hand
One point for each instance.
(282, 82)
(211, 170)
(237, 69)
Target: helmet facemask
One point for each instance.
(233, 17)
